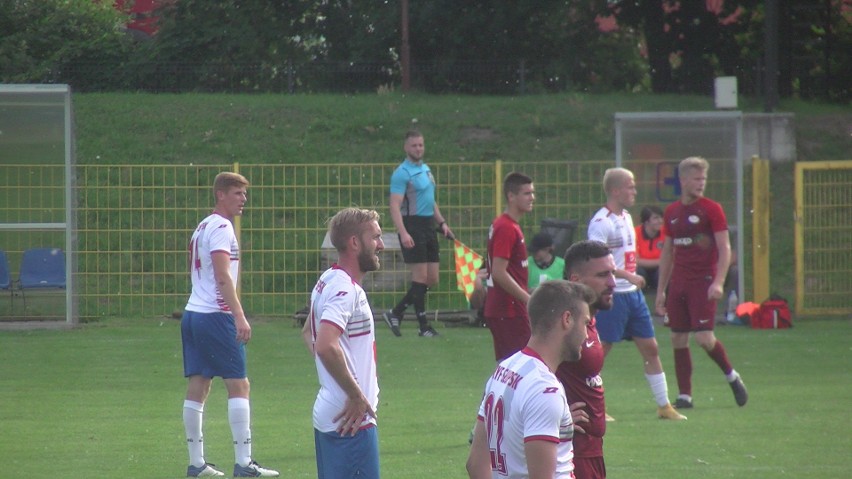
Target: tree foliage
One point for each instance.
(228, 44)
(483, 46)
(688, 43)
(43, 40)
(558, 42)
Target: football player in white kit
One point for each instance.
(525, 425)
(340, 333)
(214, 331)
(629, 316)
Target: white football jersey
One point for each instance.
(617, 232)
(525, 402)
(341, 302)
(214, 234)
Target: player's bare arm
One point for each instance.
(723, 246)
(479, 460)
(477, 298)
(665, 273)
(541, 459)
(442, 223)
(500, 274)
(306, 336)
(405, 239)
(634, 279)
(226, 286)
(328, 349)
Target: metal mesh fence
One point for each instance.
(823, 229)
(134, 222)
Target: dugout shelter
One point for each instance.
(651, 144)
(37, 197)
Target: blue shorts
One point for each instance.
(344, 457)
(628, 318)
(210, 346)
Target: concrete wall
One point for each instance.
(769, 135)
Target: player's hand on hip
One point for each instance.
(578, 415)
(353, 414)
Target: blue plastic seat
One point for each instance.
(43, 268)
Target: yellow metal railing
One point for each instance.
(823, 227)
(133, 223)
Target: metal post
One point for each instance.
(740, 205)
(760, 228)
(498, 187)
(770, 45)
(405, 53)
(70, 215)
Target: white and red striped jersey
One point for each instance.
(525, 402)
(215, 234)
(339, 301)
(617, 232)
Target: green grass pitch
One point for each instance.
(105, 399)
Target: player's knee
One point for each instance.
(706, 343)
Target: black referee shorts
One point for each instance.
(422, 231)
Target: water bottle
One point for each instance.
(733, 301)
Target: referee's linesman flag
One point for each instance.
(467, 264)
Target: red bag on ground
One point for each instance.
(774, 313)
(746, 311)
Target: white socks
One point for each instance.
(733, 376)
(239, 414)
(659, 388)
(192, 416)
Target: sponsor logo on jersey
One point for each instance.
(595, 381)
(682, 241)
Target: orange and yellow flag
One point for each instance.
(467, 265)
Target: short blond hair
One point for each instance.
(615, 177)
(227, 180)
(692, 163)
(347, 223)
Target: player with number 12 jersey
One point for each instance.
(525, 402)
